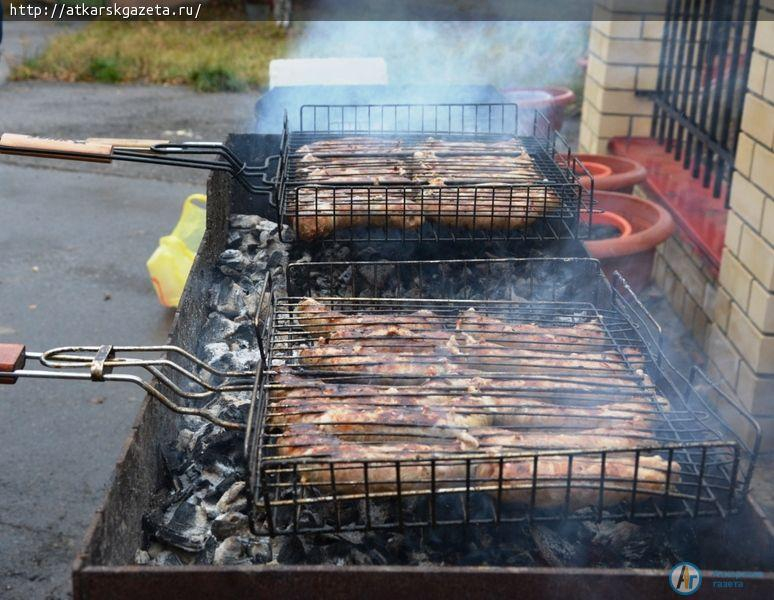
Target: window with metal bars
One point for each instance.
(702, 79)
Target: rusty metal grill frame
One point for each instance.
(716, 460)
(555, 205)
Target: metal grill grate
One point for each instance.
(390, 412)
(702, 78)
(429, 172)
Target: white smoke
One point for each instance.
(501, 53)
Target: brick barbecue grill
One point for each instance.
(707, 453)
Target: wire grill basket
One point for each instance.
(381, 411)
(441, 172)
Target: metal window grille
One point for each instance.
(702, 78)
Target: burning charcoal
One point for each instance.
(232, 258)
(234, 238)
(276, 258)
(264, 238)
(474, 557)
(267, 225)
(308, 519)
(230, 300)
(233, 499)
(243, 359)
(292, 551)
(555, 550)
(245, 221)
(214, 352)
(615, 535)
(377, 558)
(168, 559)
(184, 526)
(397, 547)
(205, 556)
(376, 275)
(190, 476)
(259, 550)
(230, 552)
(229, 524)
(220, 447)
(345, 276)
(250, 243)
(175, 460)
(357, 557)
(218, 327)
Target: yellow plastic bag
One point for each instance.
(170, 264)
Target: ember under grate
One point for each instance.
(425, 173)
(520, 410)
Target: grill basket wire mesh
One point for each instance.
(386, 188)
(706, 453)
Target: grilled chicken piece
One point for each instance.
(552, 471)
(589, 336)
(540, 414)
(318, 319)
(338, 416)
(419, 424)
(370, 171)
(366, 146)
(379, 460)
(316, 212)
(545, 359)
(360, 145)
(297, 403)
(326, 360)
(468, 167)
(490, 207)
(509, 402)
(602, 438)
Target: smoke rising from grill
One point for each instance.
(454, 53)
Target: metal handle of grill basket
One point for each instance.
(100, 361)
(27, 145)
(256, 179)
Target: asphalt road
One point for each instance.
(74, 239)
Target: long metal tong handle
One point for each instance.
(13, 358)
(163, 152)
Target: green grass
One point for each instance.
(210, 56)
(105, 70)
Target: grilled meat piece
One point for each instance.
(316, 212)
(402, 388)
(303, 404)
(551, 479)
(329, 360)
(318, 319)
(588, 336)
(419, 424)
(461, 172)
(340, 147)
(601, 438)
(380, 460)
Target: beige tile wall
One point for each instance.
(740, 343)
(624, 50)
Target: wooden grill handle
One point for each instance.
(137, 144)
(12, 358)
(26, 145)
